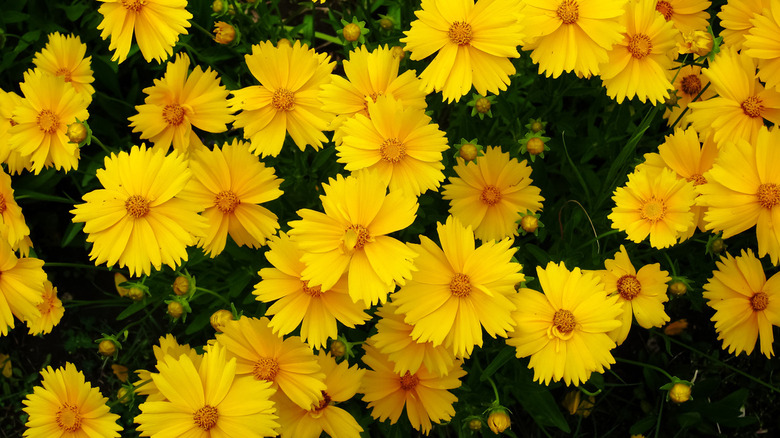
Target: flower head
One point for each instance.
(736, 16)
(762, 43)
(688, 84)
(687, 15)
(64, 56)
(21, 287)
(51, 311)
(12, 223)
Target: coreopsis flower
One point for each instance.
(286, 101)
(21, 287)
(50, 104)
(342, 382)
(64, 56)
(209, 400)
(458, 289)
(168, 347)
(424, 394)
(315, 309)
(351, 237)
(289, 364)
(394, 338)
(137, 218)
(638, 65)
(399, 143)
(743, 190)
(742, 103)
(641, 293)
(490, 194)
(655, 204)
(565, 330)
(687, 15)
(66, 405)
(230, 183)
(688, 84)
(699, 42)
(735, 17)
(474, 42)
(14, 226)
(177, 103)
(762, 43)
(746, 304)
(8, 103)
(51, 312)
(156, 24)
(572, 35)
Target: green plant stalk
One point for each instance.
(645, 365)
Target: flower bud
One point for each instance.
(337, 349)
(386, 23)
(175, 309)
(136, 294)
(398, 52)
(181, 285)
(107, 347)
(498, 421)
(218, 6)
(482, 105)
(676, 327)
(680, 393)
(224, 33)
(535, 146)
(220, 318)
(77, 132)
(468, 152)
(529, 223)
(119, 279)
(475, 424)
(536, 126)
(718, 246)
(351, 32)
(123, 395)
(678, 288)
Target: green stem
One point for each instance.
(671, 264)
(495, 391)
(686, 108)
(202, 29)
(645, 365)
(320, 35)
(211, 292)
(658, 420)
(100, 143)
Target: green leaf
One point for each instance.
(131, 309)
(540, 404)
(506, 354)
(642, 425)
(71, 232)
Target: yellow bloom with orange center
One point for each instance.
(64, 56)
(21, 287)
(687, 85)
(8, 103)
(763, 44)
(13, 226)
(687, 15)
(51, 312)
(735, 17)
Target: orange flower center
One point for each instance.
(47, 305)
(48, 122)
(491, 195)
(374, 97)
(460, 33)
(759, 301)
(313, 292)
(409, 381)
(69, 418)
(356, 236)
(206, 417)
(226, 201)
(568, 11)
(460, 286)
(665, 8)
(283, 99)
(698, 179)
(564, 321)
(137, 206)
(392, 150)
(628, 287)
(653, 210)
(266, 369)
(691, 85)
(173, 114)
(752, 106)
(324, 403)
(3, 207)
(639, 45)
(65, 73)
(768, 195)
(133, 5)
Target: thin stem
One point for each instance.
(211, 292)
(671, 264)
(658, 420)
(202, 29)
(495, 391)
(100, 143)
(645, 365)
(692, 100)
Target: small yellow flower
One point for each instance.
(499, 421)
(680, 393)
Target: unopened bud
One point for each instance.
(351, 32)
(175, 309)
(220, 318)
(475, 424)
(499, 421)
(181, 285)
(468, 152)
(482, 105)
(337, 349)
(398, 52)
(529, 223)
(107, 347)
(535, 146)
(680, 393)
(77, 132)
(224, 33)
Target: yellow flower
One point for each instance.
(21, 287)
(66, 405)
(42, 119)
(64, 56)
(5, 366)
(687, 86)
(424, 394)
(642, 294)
(314, 309)
(8, 103)
(687, 15)
(746, 304)
(654, 204)
(169, 347)
(351, 237)
(156, 24)
(288, 364)
(342, 382)
(459, 289)
(499, 421)
(565, 330)
(51, 312)
(762, 43)
(224, 33)
(743, 189)
(230, 183)
(13, 225)
(474, 43)
(208, 400)
(137, 219)
(572, 35)
(177, 102)
(286, 101)
(491, 194)
(680, 393)
(735, 17)
(742, 103)
(400, 144)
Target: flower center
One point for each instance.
(133, 5)
(639, 45)
(665, 8)
(691, 85)
(568, 11)
(65, 73)
(2, 204)
(409, 381)
(653, 210)
(137, 206)
(768, 195)
(374, 97)
(266, 369)
(460, 33)
(226, 201)
(752, 106)
(628, 287)
(460, 286)
(392, 150)
(759, 301)
(698, 179)
(564, 321)
(324, 403)
(490, 195)
(173, 113)
(356, 236)
(49, 122)
(206, 417)
(313, 292)
(69, 418)
(283, 99)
